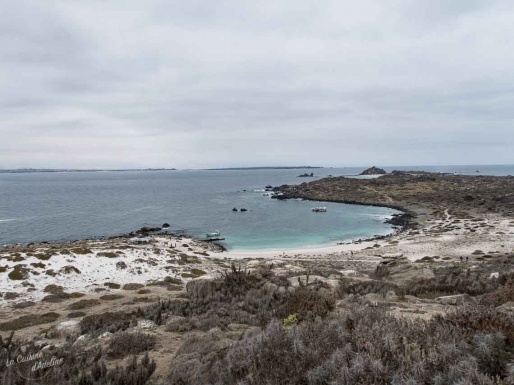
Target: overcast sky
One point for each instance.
(202, 83)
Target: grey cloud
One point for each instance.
(207, 84)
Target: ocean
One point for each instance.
(37, 207)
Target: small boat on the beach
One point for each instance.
(319, 209)
(213, 234)
(214, 239)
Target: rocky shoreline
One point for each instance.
(143, 231)
(414, 193)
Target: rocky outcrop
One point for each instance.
(420, 191)
(373, 171)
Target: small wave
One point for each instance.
(259, 190)
(7, 220)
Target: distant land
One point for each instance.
(262, 168)
(31, 170)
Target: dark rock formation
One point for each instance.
(145, 231)
(306, 175)
(165, 225)
(413, 191)
(373, 171)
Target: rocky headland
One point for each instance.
(416, 192)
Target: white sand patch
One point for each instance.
(137, 264)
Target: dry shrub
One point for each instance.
(483, 320)
(179, 324)
(450, 280)
(498, 297)
(358, 346)
(347, 286)
(111, 322)
(307, 303)
(80, 366)
(28, 320)
(125, 343)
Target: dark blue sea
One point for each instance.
(67, 206)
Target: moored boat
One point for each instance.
(319, 209)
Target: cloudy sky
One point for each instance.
(202, 83)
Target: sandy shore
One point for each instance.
(93, 266)
(449, 237)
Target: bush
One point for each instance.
(498, 297)
(125, 343)
(83, 367)
(28, 320)
(358, 346)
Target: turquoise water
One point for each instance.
(68, 206)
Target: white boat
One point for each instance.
(319, 209)
(213, 234)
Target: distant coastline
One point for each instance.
(48, 170)
(34, 170)
(263, 168)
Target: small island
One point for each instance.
(306, 175)
(373, 171)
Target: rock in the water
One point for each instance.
(165, 225)
(373, 171)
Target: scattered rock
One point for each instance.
(82, 340)
(146, 324)
(459, 299)
(68, 328)
(105, 335)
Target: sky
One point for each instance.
(202, 83)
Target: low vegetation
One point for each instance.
(254, 327)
